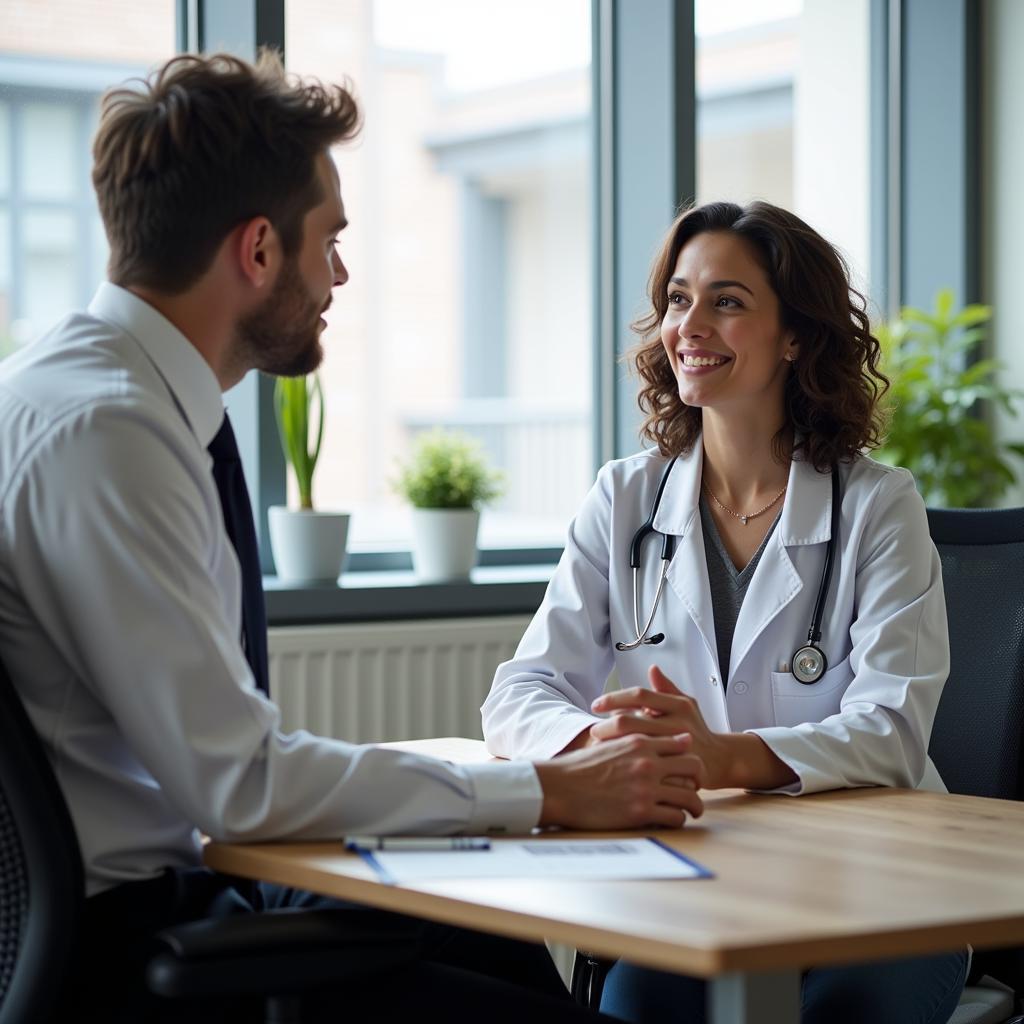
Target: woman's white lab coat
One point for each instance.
(866, 722)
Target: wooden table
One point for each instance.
(831, 878)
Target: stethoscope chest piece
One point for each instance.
(809, 664)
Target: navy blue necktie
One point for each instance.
(234, 502)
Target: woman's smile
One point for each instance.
(699, 362)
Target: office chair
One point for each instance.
(978, 737)
(41, 877)
(977, 740)
(275, 956)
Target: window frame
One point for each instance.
(636, 198)
(644, 92)
(75, 86)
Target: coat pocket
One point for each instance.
(795, 702)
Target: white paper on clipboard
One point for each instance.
(607, 859)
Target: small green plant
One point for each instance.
(934, 427)
(447, 470)
(294, 401)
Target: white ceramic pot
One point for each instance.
(308, 546)
(444, 543)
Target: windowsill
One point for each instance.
(397, 594)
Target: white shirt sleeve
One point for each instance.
(120, 554)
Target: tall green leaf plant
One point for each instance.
(295, 401)
(939, 402)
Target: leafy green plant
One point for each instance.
(294, 402)
(447, 470)
(934, 427)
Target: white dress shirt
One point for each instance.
(120, 613)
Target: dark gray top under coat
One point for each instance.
(728, 584)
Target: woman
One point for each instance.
(760, 380)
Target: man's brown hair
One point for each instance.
(202, 145)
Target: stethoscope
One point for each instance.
(809, 662)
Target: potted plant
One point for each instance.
(935, 429)
(446, 480)
(308, 545)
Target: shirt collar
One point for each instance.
(187, 374)
(806, 513)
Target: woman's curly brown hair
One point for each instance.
(832, 393)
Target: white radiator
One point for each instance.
(372, 682)
(368, 683)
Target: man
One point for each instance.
(121, 595)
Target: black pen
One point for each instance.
(396, 843)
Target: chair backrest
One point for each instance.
(41, 877)
(977, 741)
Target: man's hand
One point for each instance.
(729, 759)
(629, 782)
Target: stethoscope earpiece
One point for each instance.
(643, 640)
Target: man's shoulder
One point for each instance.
(82, 366)
(73, 380)
(81, 359)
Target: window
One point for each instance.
(783, 98)
(472, 241)
(56, 58)
(470, 252)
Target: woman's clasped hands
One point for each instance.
(729, 758)
(663, 710)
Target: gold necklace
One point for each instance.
(750, 515)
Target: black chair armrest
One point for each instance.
(277, 952)
(1005, 965)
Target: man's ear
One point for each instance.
(258, 251)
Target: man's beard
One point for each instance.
(281, 337)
